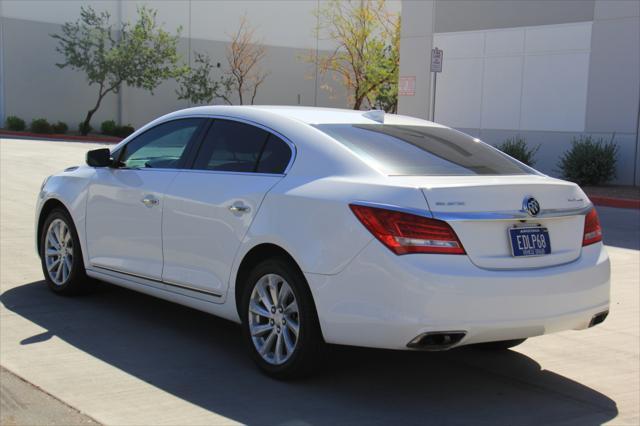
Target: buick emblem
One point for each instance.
(531, 206)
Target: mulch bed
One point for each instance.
(59, 137)
(613, 191)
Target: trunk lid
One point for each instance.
(482, 209)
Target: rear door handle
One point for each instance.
(239, 208)
(150, 201)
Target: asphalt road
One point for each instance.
(124, 358)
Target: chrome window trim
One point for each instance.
(155, 280)
(292, 146)
(479, 216)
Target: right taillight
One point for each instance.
(405, 233)
(592, 229)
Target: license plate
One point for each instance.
(530, 241)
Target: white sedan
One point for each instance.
(311, 226)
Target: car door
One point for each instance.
(124, 204)
(209, 208)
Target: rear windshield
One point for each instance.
(419, 150)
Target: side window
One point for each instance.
(238, 147)
(275, 156)
(160, 147)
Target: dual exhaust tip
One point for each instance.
(437, 340)
(443, 340)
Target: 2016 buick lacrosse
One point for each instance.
(311, 226)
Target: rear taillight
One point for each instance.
(405, 233)
(592, 228)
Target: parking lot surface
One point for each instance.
(125, 358)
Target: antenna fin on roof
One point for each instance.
(375, 115)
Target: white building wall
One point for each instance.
(528, 78)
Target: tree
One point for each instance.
(139, 55)
(198, 84)
(244, 55)
(366, 57)
(243, 76)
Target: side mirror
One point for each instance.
(99, 158)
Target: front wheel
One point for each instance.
(279, 320)
(60, 254)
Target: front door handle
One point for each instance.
(239, 208)
(150, 201)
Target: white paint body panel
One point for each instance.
(122, 233)
(364, 294)
(200, 234)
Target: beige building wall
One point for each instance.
(32, 86)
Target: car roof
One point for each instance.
(308, 115)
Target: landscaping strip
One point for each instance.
(622, 203)
(61, 138)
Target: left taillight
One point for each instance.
(405, 233)
(592, 229)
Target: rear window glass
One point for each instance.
(419, 150)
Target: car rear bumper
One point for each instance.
(386, 301)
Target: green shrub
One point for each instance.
(517, 148)
(109, 127)
(82, 127)
(60, 127)
(124, 131)
(40, 125)
(15, 123)
(589, 162)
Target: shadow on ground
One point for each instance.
(201, 359)
(621, 227)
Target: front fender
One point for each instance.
(68, 188)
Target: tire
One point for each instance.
(274, 326)
(65, 277)
(501, 345)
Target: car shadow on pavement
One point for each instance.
(201, 359)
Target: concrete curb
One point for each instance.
(60, 138)
(622, 203)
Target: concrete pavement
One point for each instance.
(125, 358)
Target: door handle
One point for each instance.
(150, 201)
(239, 208)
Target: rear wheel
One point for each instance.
(500, 345)
(279, 320)
(60, 254)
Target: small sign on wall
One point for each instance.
(407, 86)
(436, 59)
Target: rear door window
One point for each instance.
(420, 150)
(239, 147)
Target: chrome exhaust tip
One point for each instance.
(598, 318)
(437, 340)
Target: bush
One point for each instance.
(60, 127)
(82, 127)
(40, 125)
(517, 148)
(109, 127)
(124, 131)
(15, 123)
(589, 162)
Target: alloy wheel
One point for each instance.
(274, 321)
(58, 252)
